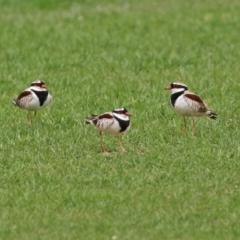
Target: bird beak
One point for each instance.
(168, 88)
(128, 114)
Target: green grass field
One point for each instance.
(98, 55)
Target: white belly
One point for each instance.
(183, 108)
(34, 104)
(111, 127)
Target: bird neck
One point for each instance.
(36, 88)
(121, 116)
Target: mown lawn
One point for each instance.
(98, 55)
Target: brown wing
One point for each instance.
(105, 121)
(22, 100)
(24, 94)
(97, 120)
(194, 97)
(195, 102)
(106, 115)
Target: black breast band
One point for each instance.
(42, 96)
(175, 96)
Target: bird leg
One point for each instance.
(101, 141)
(193, 127)
(35, 116)
(119, 142)
(185, 125)
(28, 118)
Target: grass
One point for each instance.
(55, 183)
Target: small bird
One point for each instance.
(33, 98)
(115, 123)
(188, 104)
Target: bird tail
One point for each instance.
(90, 120)
(213, 115)
(14, 102)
